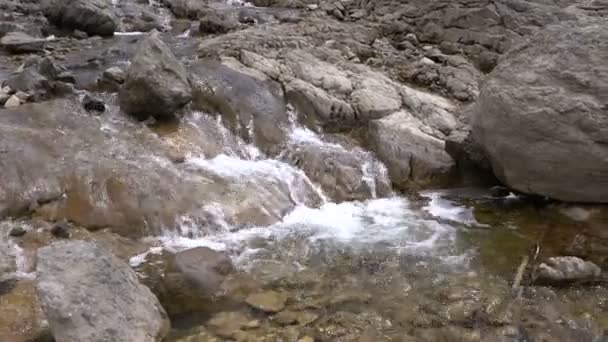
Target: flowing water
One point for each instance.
(437, 267)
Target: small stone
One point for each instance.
(410, 37)
(17, 232)
(80, 34)
(115, 74)
(177, 158)
(306, 339)
(92, 104)
(268, 301)
(499, 191)
(12, 102)
(312, 7)
(61, 230)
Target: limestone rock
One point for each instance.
(94, 17)
(542, 115)
(567, 269)
(156, 84)
(411, 154)
(89, 294)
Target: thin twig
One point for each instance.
(519, 276)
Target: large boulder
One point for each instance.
(89, 294)
(157, 84)
(94, 17)
(542, 116)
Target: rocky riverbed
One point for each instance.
(303, 170)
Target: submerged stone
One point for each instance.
(268, 301)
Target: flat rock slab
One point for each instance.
(268, 301)
(19, 42)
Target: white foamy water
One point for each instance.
(132, 33)
(269, 169)
(389, 223)
(448, 210)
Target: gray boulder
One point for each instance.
(156, 84)
(89, 294)
(542, 116)
(94, 17)
(19, 42)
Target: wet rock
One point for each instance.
(61, 230)
(78, 174)
(17, 232)
(112, 79)
(156, 83)
(89, 294)
(80, 34)
(193, 278)
(253, 108)
(215, 23)
(92, 104)
(204, 267)
(567, 269)
(344, 175)
(19, 42)
(268, 301)
(523, 99)
(12, 102)
(41, 79)
(95, 17)
(411, 155)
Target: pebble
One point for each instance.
(92, 104)
(61, 230)
(17, 232)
